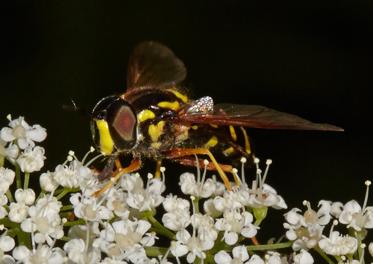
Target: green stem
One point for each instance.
(9, 224)
(65, 238)
(323, 255)
(196, 204)
(66, 191)
(155, 251)
(160, 229)
(23, 238)
(10, 196)
(2, 161)
(27, 179)
(66, 208)
(18, 177)
(270, 246)
(73, 223)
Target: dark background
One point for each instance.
(310, 58)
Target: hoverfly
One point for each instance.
(155, 118)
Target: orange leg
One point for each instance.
(134, 166)
(192, 162)
(181, 152)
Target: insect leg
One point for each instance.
(189, 161)
(133, 166)
(181, 152)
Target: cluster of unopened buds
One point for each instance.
(61, 220)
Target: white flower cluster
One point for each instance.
(136, 222)
(17, 144)
(307, 229)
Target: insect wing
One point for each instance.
(254, 116)
(153, 65)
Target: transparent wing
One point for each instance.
(255, 116)
(153, 65)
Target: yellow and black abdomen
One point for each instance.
(155, 113)
(229, 141)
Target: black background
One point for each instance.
(310, 58)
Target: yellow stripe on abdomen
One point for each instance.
(179, 95)
(155, 131)
(169, 105)
(145, 115)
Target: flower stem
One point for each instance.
(323, 255)
(66, 208)
(27, 179)
(155, 251)
(18, 177)
(10, 196)
(196, 204)
(73, 223)
(66, 191)
(65, 238)
(270, 246)
(2, 161)
(158, 227)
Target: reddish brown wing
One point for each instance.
(153, 65)
(255, 116)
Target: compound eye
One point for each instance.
(124, 123)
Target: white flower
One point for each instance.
(88, 207)
(173, 203)
(338, 245)
(306, 229)
(23, 133)
(273, 257)
(116, 203)
(26, 196)
(112, 261)
(265, 196)
(229, 201)
(42, 254)
(210, 209)
(199, 188)
(123, 238)
(354, 216)
(176, 220)
(6, 243)
(44, 222)
(11, 152)
(80, 254)
(18, 212)
(47, 182)
(239, 254)
(177, 216)
(3, 201)
(140, 198)
(6, 179)
(191, 245)
(303, 258)
(205, 226)
(21, 253)
(32, 159)
(336, 209)
(72, 176)
(370, 248)
(235, 222)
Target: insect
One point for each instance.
(155, 118)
